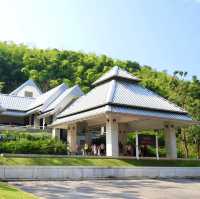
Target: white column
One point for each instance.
(56, 133)
(137, 147)
(36, 122)
(112, 145)
(43, 123)
(170, 142)
(72, 137)
(157, 153)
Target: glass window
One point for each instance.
(28, 94)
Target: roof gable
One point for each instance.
(47, 98)
(30, 83)
(64, 99)
(55, 98)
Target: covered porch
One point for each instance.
(114, 129)
(119, 104)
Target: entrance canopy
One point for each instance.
(118, 93)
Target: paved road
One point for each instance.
(133, 189)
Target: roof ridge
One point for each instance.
(116, 73)
(111, 91)
(116, 70)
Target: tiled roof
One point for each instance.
(116, 72)
(96, 97)
(54, 98)
(47, 98)
(13, 102)
(138, 96)
(66, 97)
(121, 93)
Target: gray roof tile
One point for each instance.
(138, 96)
(116, 72)
(64, 98)
(121, 93)
(12, 102)
(96, 97)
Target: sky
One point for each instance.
(164, 34)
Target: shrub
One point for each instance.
(31, 143)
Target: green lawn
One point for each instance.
(78, 161)
(10, 192)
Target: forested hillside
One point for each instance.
(51, 67)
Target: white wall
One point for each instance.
(29, 89)
(81, 172)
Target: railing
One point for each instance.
(31, 128)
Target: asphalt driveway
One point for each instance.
(143, 188)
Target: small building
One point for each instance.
(29, 108)
(118, 104)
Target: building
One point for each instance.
(116, 105)
(28, 107)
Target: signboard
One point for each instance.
(146, 139)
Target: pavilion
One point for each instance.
(119, 104)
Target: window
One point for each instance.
(28, 94)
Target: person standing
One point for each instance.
(98, 151)
(86, 149)
(102, 149)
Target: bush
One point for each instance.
(24, 146)
(151, 151)
(31, 143)
(7, 136)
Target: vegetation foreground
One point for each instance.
(100, 162)
(7, 191)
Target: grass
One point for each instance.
(10, 192)
(79, 161)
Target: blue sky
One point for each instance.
(164, 34)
